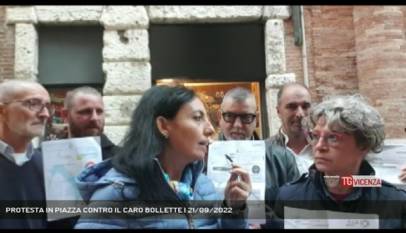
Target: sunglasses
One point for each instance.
(246, 118)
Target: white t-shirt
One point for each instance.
(20, 158)
(305, 157)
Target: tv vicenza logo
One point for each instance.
(353, 181)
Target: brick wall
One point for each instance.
(381, 59)
(6, 47)
(333, 60)
(330, 45)
(338, 61)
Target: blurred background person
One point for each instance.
(293, 104)
(237, 115)
(84, 113)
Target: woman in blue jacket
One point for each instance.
(160, 165)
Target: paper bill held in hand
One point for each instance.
(63, 161)
(249, 155)
(388, 163)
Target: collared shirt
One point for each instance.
(221, 137)
(8, 152)
(305, 157)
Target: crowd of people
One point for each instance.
(163, 157)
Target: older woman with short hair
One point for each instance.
(344, 130)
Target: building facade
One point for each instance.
(342, 50)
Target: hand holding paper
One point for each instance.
(402, 175)
(237, 190)
(249, 156)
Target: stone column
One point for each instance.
(26, 41)
(275, 68)
(125, 63)
(203, 14)
(381, 59)
(26, 52)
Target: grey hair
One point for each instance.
(68, 102)
(238, 94)
(352, 114)
(10, 87)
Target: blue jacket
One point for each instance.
(102, 182)
(310, 192)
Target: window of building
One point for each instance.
(69, 56)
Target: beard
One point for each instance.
(87, 131)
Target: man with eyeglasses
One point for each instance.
(24, 110)
(237, 116)
(293, 104)
(237, 119)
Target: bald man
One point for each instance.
(24, 109)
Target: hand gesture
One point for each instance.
(402, 175)
(238, 187)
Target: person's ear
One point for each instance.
(163, 126)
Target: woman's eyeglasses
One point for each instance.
(329, 138)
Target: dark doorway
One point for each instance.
(227, 52)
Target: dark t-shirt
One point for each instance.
(22, 186)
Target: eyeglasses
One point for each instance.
(331, 138)
(246, 118)
(35, 105)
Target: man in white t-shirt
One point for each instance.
(294, 102)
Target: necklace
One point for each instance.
(183, 190)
